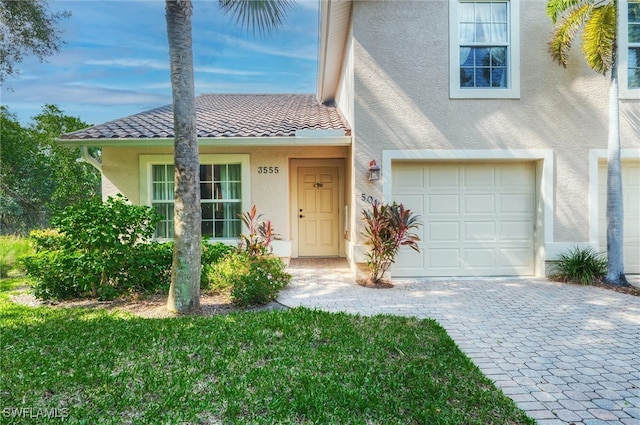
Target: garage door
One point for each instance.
(478, 218)
(631, 202)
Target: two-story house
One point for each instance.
(501, 151)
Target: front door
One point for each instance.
(318, 226)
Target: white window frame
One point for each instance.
(147, 161)
(513, 53)
(625, 92)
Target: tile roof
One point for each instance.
(228, 115)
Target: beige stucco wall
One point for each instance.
(269, 192)
(401, 81)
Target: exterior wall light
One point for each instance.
(374, 171)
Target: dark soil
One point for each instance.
(629, 290)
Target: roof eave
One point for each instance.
(333, 39)
(302, 140)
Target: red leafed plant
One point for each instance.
(387, 228)
(260, 234)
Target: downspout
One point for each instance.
(86, 156)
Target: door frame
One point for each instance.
(294, 165)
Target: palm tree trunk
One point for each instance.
(184, 293)
(615, 210)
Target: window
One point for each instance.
(484, 49)
(223, 192)
(221, 198)
(630, 49)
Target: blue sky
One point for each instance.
(116, 63)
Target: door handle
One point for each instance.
(300, 216)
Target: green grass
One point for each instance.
(11, 248)
(293, 366)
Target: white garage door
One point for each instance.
(631, 202)
(478, 218)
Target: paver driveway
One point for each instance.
(564, 353)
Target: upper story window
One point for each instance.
(223, 192)
(630, 49)
(484, 49)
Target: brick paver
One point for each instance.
(564, 353)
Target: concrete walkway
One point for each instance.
(564, 353)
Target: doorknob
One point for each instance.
(300, 216)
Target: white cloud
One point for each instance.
(130, 63)
(307, 54)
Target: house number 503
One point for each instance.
(268, 170)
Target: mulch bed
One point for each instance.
(367, 283)
(629, 290)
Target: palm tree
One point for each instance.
(597, 20)
(263, 15)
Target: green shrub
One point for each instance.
(220, 275)
(101, 249)
(11, 249)
(211, 255)
(59, 275)
(580, 265)
(249, 280)
(46, 239)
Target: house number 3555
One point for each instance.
(268, 170)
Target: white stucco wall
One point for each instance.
(401, 83)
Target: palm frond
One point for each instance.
(599, 38)
(556, 8)
(565, 32)
(261, 15)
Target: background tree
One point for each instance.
(27, 28)
(261, 15)
(596, 21)
(37, 176)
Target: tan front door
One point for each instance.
(318, 211)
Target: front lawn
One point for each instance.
(293, 366)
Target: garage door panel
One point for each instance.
(410, 176)
(475, 231)
(480, 204)
(516, 231)
(409, 259)
(442, 231)
(480, 258)
(443, 204)
(515, 175)
(517, 258)
(478, 176)
(443, 259)
(413, 202)
(442, 177)
(478, 218)
(632, 201)
(516, 203)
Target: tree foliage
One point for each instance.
(596, 21)
(27, 28)
(37, 176)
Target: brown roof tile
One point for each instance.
(228, 115)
